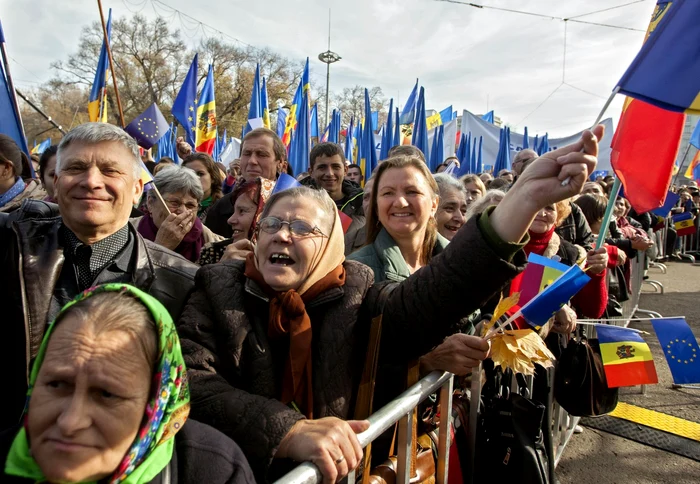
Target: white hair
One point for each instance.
(448, 182)
(92, 133)
(173, 179)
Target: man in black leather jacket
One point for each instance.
(49, 253)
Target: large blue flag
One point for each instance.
(10, 120)
(396, 139)
(540, 308)
(437, 155)
(264, 105)
(282, 122)
(695, 137)
(488, 117)
(500, 163)
(388, 139)
(148, 127)
(544, 145)
(479, 163)
(463, 156)
(409, 109)
(680, 348)
(526, 139)
(368, 152)
(420, 127)
(666, 71)
(446, 115)
(300, 147)
(184, 108)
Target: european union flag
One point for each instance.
(184, 108)
(680, 349)
(666, 71)
(148, 127)
(543, 306)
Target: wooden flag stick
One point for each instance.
(111, 65)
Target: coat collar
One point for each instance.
(391, 259)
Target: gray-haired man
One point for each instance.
(46, 262)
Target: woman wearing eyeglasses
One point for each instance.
(275, 344)
(180, 230)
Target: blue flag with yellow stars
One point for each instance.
(680, 349)
(148, 127)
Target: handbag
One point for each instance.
(580, 386)
(510, 443)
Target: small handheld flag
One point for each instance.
(684, 224)
(626, 357)
(680, 349)
(542, 307)
(285, 182)
(539, 274)
(148, 127)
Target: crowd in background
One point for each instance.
(249, 310)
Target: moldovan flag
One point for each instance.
(684, 224)
(664, 79)
(626, 357)
(680, 349)
(205, 136)
(539, 274)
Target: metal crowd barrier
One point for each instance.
(563, 425)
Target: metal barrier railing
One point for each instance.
(398, 410)
(563, 425)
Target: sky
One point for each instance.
(471, 58)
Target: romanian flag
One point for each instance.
(206, 117)
(684, 224)
(296, 103)
(97, 103)
(626, 357)
(664, 79)
(680, 349)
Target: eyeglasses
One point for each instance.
(298, 228)
(176, 204)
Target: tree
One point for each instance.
(351, 102)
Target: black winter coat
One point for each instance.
(235, 370)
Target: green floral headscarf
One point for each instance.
(166, 410)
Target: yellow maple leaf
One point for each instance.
(519, 350)
(504, 304)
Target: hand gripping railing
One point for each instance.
(398, 410)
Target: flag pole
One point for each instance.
(111, 65)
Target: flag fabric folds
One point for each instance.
(396, 139)
(647, 138)
(665, 209)
(255, 114)
(285, 182)
(684, 224)
(264, 107)
(419, 139)
(408, 113)
(146, 176)
(666, 71)
(97, 102)
(433, 121)
(540, 308)
(539, 274)
(693, 171)
(388, 139)
(206, 116)
(281, 121)
(626, 357)
(488, 117)
(41, 147)
(148, 127)
(368, 152)
(680, 349)
(446, 115)
(291, 122)
(300, 146)
(184, 108)
(314, 122)
(479, 162)
(526, 139)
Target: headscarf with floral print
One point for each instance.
(166, 411)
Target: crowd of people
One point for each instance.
(212, 329)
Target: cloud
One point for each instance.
(465, 57)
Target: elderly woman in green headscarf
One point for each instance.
(108, 401)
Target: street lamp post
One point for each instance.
(328, 58)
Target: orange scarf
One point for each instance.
(288, 316)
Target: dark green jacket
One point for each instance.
(385, 259)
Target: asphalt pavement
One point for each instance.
(598, 457)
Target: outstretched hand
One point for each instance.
(541, 184)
